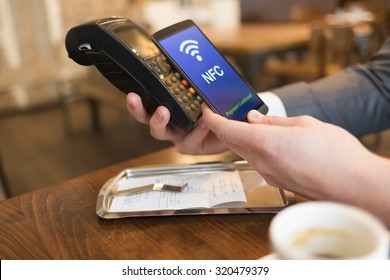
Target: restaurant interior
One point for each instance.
(59, 120)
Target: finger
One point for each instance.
(256, 117)
(230, 131)
(159, 127)
(136, 108)
(191, 143)
(200, 141)
(262, 166)
(243, 152)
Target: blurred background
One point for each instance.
(59, 120)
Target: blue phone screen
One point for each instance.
(211, 73)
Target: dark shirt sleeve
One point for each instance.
(357, 98)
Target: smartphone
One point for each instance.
(207, 71)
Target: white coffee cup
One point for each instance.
(328, 230)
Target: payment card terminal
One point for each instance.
(124, 54)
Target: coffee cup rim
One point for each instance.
(283, 218)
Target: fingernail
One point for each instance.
(160, 116)
(254, 115)
(202, 124)
(131, 106)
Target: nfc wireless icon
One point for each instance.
(191, 47)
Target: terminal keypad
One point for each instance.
(181, 90)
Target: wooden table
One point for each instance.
(251, 44)
(60, 222)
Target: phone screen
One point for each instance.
(211, 74)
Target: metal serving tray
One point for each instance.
(261, 197)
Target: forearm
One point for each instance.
(357, 99)
(353, 105)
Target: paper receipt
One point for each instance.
(203, 191)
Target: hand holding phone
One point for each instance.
(207, 71)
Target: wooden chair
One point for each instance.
(379, 25)
(35, 72)
(331, 48)
(378, 35)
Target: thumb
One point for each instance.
(256, 117)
